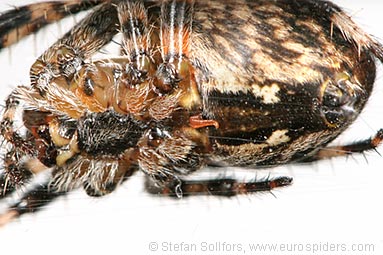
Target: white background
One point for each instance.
(334, 201)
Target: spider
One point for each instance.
(198, 83)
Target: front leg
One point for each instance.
(64, 58)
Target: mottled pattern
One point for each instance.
(238, 82)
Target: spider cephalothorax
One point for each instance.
(239, 83)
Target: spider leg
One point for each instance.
(19, 177)
(21, 21)
(66, 57)
(26, 154)
(14, 175)
(165, 158)
(216, 187)
(96, 188)
(138, 37)
(18, 171)
(7, 130)
(30, 202)
(6, 187)
(36, 142)
(342, 150)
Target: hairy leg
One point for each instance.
(342, 150)
(217, 187)
(30, 202)
(22, 21)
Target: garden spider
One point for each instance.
(220, 83)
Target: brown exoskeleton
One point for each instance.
(226, 83)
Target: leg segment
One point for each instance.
(24, 153)
(217, 187)
(30, 202)
(7, 130)
(64, 58)
(15, 174)
(18, 172)
(166, 155)
(22, 21)
(343, 150)
(6, 187)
